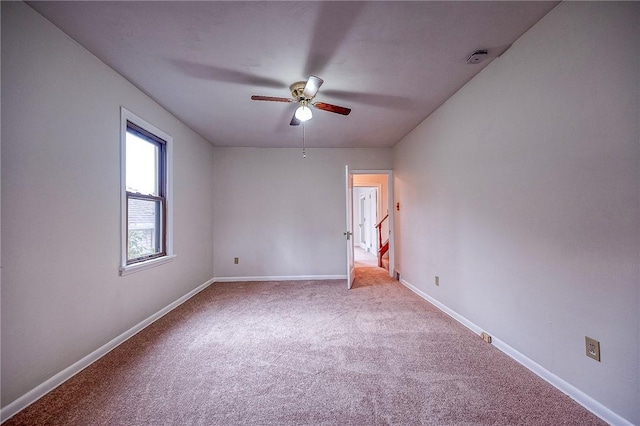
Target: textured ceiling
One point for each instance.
(393, 63)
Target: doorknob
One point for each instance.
(348, 234)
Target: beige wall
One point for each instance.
(281, 214)
(522, 193)
(62, 297)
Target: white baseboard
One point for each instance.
(39, 391)
(42, 389)
(574, 393)
(280, 278)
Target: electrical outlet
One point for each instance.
(236, 260)
(592, 348)
(437, 280)
(486, 337)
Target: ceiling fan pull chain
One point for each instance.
(304, 154)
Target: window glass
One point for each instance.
(144, 228)
(145, 183)
(142, 165)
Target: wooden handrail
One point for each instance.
(379, 225)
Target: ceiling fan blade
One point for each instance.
(312, 86)
(379, 100)
(224, 75)
(332, 108)
(270, 98)
(294, 120)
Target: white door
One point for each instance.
(366, 207)
(351, 265)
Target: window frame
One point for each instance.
(128, 121)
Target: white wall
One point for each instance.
(522, 192)
(281, 214)
(62, 297)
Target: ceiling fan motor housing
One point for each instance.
(297, 90)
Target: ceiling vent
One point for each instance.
(477, 57)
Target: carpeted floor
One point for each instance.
(306, 353)
(363, 258)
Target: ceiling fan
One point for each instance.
(303, 93)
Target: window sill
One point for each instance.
(130, 269)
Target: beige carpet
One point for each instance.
(363, 258)
(306, 353)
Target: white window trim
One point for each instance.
(141, 266)
(126, 115)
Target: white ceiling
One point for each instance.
(393, 63)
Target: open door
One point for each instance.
(351, 265)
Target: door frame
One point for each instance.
(390, 208)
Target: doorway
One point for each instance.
(373, 218)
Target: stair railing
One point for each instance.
(383, 248)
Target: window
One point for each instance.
(146, 212)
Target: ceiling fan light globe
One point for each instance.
(303, 113)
